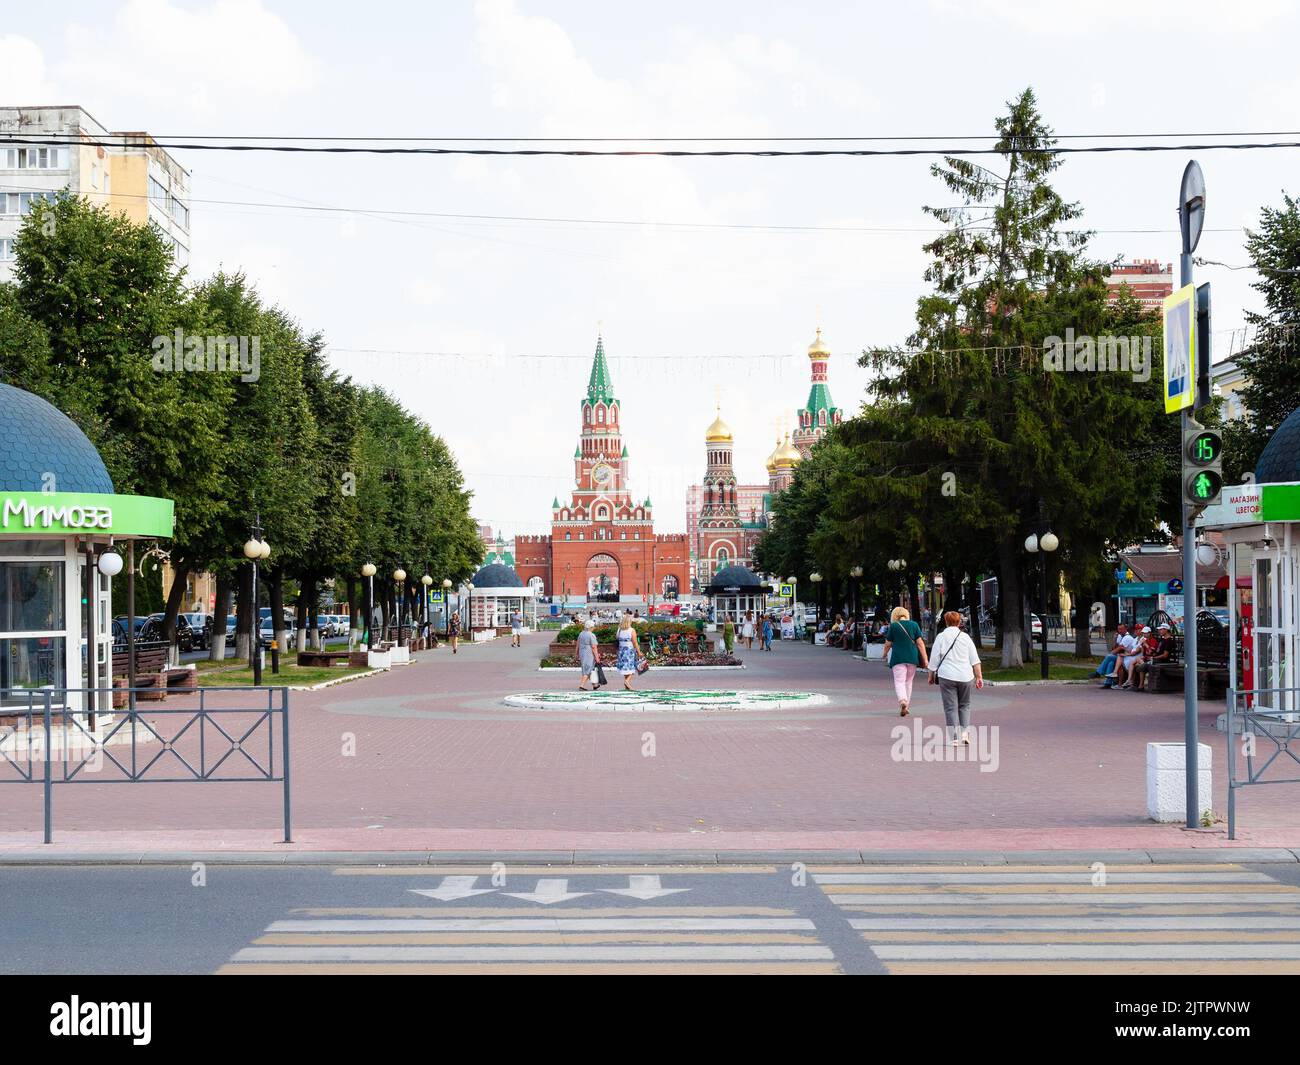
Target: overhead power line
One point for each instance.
(371, 149)
(448, 216)
(832, 139)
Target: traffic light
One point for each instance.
(1202, 467)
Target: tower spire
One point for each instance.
(600, 386)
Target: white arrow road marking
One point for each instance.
(644, 887)
(453, 887)
(548, 891)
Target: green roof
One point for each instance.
(555, 505)
(625, 451)
(819, 399)
(577, 451)
(600, 387)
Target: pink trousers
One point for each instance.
(904, 673)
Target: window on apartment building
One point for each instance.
(6, 249)
(157, 192)
(180, 214)
(20, 203)
(33, 159)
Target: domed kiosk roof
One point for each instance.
(1279, 463)
(735, 577)
(36, 440)
(496, 575)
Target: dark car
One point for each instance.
(199, 627)
(147, 628)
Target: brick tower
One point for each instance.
(722, 536)
(603, 544)
(820, 413)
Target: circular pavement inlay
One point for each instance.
(667, 699)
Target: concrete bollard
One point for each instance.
(1167, 781)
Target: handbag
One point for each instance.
(934, 673)
(642, 665)
(601, 681)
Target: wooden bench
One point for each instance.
(327, 658)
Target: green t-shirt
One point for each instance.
(902, 637)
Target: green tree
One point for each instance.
(1270, 365)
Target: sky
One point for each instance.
(485, 327)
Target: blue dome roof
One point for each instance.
(1279, 462)
(496, 576)
(735, 577)
(37, 440)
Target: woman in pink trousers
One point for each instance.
(904, 650)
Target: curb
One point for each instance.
(1082, 858)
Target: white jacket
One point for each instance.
(954, 655)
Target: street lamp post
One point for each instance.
(368, 571)
(816, 579)
(446, 605)
(1042, 543)
(856, 574)
(399, 578)
(427, 581)
(255, 548)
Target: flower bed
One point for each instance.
(668, 638)
(570, 661)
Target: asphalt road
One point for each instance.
(164, 919)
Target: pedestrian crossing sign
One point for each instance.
(1180, 349)
(435, 595)
(786, 591)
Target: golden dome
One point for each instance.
(786, 456)
(818, 349)
(719, 432)
(773, 460)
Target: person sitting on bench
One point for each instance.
(1107, 668)
(1161, 649)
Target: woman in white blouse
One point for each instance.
(956, 662)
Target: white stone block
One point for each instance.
(1167, 781)
(400, 656)
(379, 659)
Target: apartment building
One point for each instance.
(126, 171)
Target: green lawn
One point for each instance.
(289, 674)
(1060, 667)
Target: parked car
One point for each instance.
(1036, 624)
(232, 621)
(200, 630)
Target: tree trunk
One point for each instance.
(247, 612)
(180, 571)
(1082, 626)
(220, 611)
(300, 613)
(1010, 599)
(275, 592)
(354, 610)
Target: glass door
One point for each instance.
(1274, 595)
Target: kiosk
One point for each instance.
(61, 530)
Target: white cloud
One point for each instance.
(1101, 16)
(227, 58)
(22, 73)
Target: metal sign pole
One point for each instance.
(1191, 214)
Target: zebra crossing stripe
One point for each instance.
(576, 953)
(1100, 897)
(957, 926)
(1081, 877)
(1087, 951)
(547, 924)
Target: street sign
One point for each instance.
(1180, 349)
(786, 591)
(435, 595)
(1191, 205)
(1174, 587)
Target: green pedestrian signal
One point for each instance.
(1202, 466)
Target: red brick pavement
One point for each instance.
(441, 763)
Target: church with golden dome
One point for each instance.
(724, 518)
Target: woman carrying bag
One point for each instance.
(629, 652)
(957, 671)
(904, 650)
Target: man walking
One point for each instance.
(517, 628)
